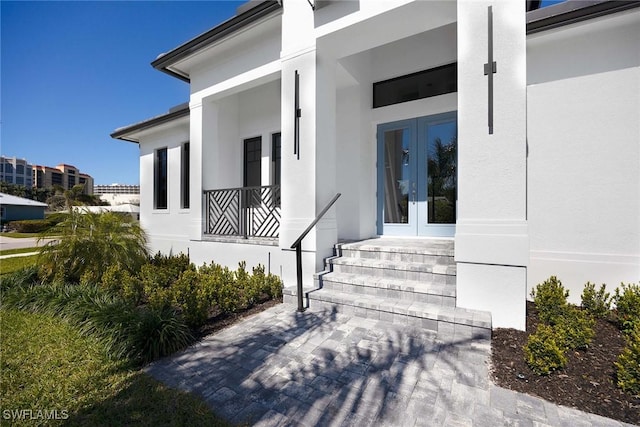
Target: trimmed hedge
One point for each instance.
(198, 292)
(31, 225)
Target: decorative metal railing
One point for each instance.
(243, 212)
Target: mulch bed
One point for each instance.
(219, 321)
(588, 382)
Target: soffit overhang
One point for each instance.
(175, 62)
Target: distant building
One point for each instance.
(66, 176)
(14, 208)
(116, 189)
(16, 171)
(118, 194)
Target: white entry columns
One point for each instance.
(308, 148)
(492, 242)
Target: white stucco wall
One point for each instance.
(167, 229)
(584, 153)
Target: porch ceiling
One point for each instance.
(399, 23)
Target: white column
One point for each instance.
(325, 148)
(308, 177)
(195, 169)
(492, 242)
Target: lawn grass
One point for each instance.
(10, 265)
(17, 235)
(45, 364)
(18, 251)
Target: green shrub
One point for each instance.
(219, 285)
(627, 301)
(550, 299)
(158, 298)
(131, 289)
(273, 286)
(191, 298)
(57, 217)
(247, 294)
(628, 363)
(31, 225)
(597, 303)
(158, 333)
(575, 327)
(122, 282)
(140, 334)
(153, 276)
(89, 243)
(544, 351)
(174, 264)
(25, 276)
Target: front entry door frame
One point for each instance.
(406, 176)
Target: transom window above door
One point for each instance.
(423, 84)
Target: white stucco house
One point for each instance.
(478, 148)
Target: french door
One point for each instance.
(417, 176)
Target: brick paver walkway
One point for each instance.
(317, 368)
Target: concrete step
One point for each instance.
(290, 295)
(430, 252)
(403, 270)
(410, 290)
(472, 323)
(388, 247)
(408, 281)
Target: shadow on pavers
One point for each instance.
(281, 367)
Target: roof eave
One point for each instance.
(249, 16)
(573, 11)
(124, 133)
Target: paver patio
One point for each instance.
(316, 368)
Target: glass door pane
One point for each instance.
(441, 163)
(397, 176)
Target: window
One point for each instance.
(72, 181)
(184, 178)
(20, 169)
(56, 178)
(160, 179)
(252, 162)
(423, 84)
(275, 159)
(20, 180)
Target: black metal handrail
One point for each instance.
(297, 245)
(243, 212)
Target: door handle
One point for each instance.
(413, 193)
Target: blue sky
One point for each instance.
(72, 72)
